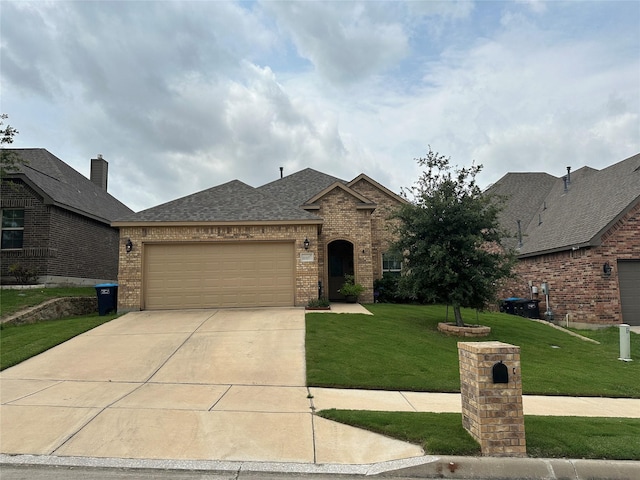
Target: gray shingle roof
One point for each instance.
(230, 202)
(578, 217)
(299, 187)
(65, 187)
(523, 193)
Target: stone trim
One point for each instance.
(466, 331)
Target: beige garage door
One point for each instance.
(209, 275)
(629, 283)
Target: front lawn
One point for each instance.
(399, 348)
(20, 342)
(547, 437)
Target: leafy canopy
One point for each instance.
(8, 160)
(449, 236)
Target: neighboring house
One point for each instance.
(581, 235)
(234, 245)
(57, 222)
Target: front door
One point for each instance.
(340, 253)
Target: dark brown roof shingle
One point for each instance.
(65, 187)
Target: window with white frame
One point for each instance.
(12, 229)
(391, 263)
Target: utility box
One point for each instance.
(625, 343)
(544, 288)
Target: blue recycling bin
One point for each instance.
(107, 298)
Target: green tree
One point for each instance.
(449, 236)
(8, 160)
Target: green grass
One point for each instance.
(399, 348)
(20, 342)
(12, 301)
(437, 433)
(547, 437)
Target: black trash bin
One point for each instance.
(107, 298)
(527, 308)
(509, 305)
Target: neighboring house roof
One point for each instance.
(230, 202)
(64, 187)
(579, 216)
(523, 193)
(284, 200)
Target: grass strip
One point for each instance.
(547, 437)
(400, 348)
(20, 342)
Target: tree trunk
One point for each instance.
(458, 315)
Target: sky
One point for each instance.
(182, 96)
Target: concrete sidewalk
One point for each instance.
(325, 398)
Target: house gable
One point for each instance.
(362, 202)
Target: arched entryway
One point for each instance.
(340, 255)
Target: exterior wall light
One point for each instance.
(606, 268)
(128, 246)
(306, 244)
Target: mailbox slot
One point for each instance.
(500, 373)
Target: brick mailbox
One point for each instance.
(491, 388)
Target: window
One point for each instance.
(12, 229)
(391, 263)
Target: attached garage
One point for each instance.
(629, 282)
(216, 275)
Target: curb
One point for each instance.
(428, 466)
(508, 468)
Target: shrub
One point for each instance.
(318, 303)
(350, 288)
(23, 275)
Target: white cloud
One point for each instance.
(344, 42)
(182, 96)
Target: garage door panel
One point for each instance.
(629, 283)
(219, 275)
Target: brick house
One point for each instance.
(234, 245)
(581, 235)
(57, 222)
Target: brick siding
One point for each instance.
(58, 242)
(381, 225)
(130, 273)
(342, 221)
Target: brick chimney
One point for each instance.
(99, 171)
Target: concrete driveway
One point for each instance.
(182, 385)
